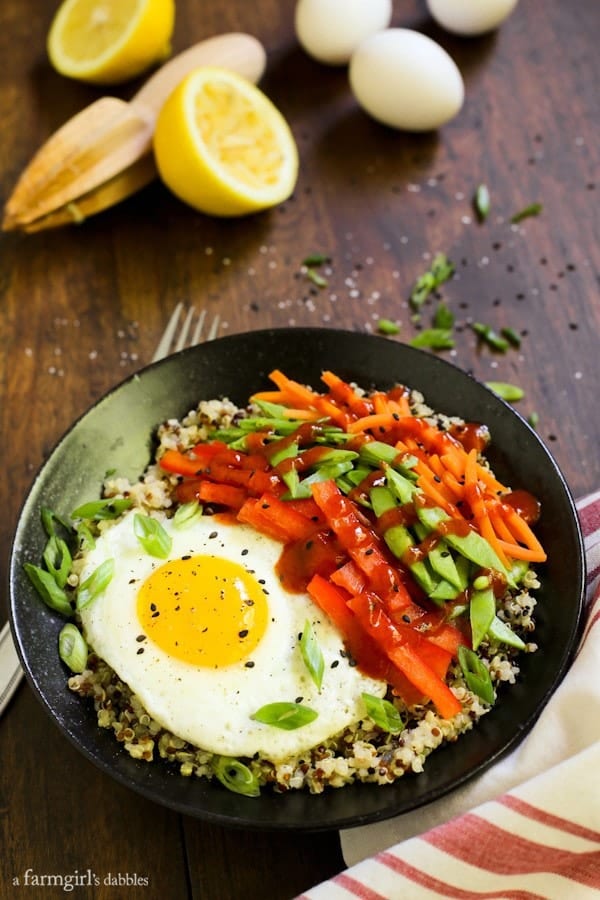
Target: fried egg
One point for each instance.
(208, 636)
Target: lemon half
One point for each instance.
(223, 147)
(109, 41)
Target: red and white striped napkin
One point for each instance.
(528, 828)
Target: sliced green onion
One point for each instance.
(534, 209)
(287, 716)
(386, 326)
(481, 202)
(58, 560)
(49, 518)
(311, 654)
(509, 392)
(385, 715)
(441, 270)
(533, 419)
(316, 259)
(187, 514)
(512, 336)
(235, 776)
(152, 536)
(482, 609)
(85, 538)
(316, 278)
(47, 588)
(72, 647)
(95, 583)
(443, 317)
(476, 675)
(487, 334)
(434, 339)
(110, 508)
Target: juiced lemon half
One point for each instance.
(223, 147)
(109, 41)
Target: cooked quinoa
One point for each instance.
(362, 752)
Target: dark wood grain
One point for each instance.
(82, 308)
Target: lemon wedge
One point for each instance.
(109, 41)
(223, 147)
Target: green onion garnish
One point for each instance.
(72, 647)
(311, 654)
(476, 675)
(481, 202)
(533, 419)
(235, 776)
(491, 338)
(383, 713)
(434, 339)
(152, 536)
(534, 209)
(58, 560)
(46, 586)
(512, 336)
(441, 270)
(316, 278)
(95, 583)
(386, 326)
(287, 716)
(509, 392)
(111, 508)
(315, 259)
(187, 514)
(443, 317)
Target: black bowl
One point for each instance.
(118, 433)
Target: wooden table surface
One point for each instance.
(83, 307)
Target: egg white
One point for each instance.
(212, 707)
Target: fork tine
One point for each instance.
(180, 331)
(213, 328)
(165, 341)
(198, 329)
(181, 340)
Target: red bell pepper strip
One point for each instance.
(362, 648)
(401, 649)
(222, 494)
(179, 464)
(358, 539)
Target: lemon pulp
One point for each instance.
(223, 147)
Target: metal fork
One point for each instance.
(172, 339)
(189, 334)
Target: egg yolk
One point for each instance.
(203, 610)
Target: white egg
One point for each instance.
(330, 30)
(470, 17)
(208, 637)
(404, 79)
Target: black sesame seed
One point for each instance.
(243, 633)
(249, 664)
(140, 650)
(244, 553)
(140, 638)
(213, 534)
